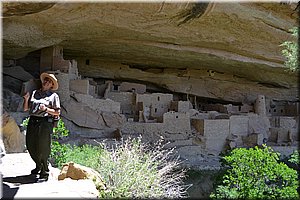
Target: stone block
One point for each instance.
(175, 122)
(215, 145)
(198, 124)
(283, 135)
(216, 128)
(126, 100)
(80, 86)
(64, 86)
(239, 125)
(295, 134)
(92, 90)
(245, 108)
(259, 124)
(287, 122)
(183, 106)
(253, 139)
(280, 135)
(273, 135)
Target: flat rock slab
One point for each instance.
(18, 183)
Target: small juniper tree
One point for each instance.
(256, 173)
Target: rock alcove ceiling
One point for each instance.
(225, 51)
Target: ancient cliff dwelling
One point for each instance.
(204, 76)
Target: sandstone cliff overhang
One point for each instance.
(227, 51)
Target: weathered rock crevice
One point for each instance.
(20, 9)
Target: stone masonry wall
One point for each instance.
(126, 100)
(127, 86)
(80, 86)
(175, 122)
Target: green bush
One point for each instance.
(60, 130)
(294, 158)
(136, 170)
(290, 51)
(86, 155)
(24, 123)
(256, 173)
(58, 154)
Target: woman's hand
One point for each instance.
(43, 107)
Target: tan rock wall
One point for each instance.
(13, 139)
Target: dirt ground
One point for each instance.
(18, 183)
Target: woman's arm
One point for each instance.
(51, 111)
(25, 103)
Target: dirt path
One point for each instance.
(18, 183)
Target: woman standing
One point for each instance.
(44, 108)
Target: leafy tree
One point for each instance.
(290, 51)
(256, 173)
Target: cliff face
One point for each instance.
(227, 51)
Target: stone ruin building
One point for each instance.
(100, 109)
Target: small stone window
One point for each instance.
(87, 62)
(115, 87)
(158, 98)
(155, 110)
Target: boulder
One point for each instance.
(17, 72)
(82, 115)
(14, 140)
(12, 101)
(76, 172)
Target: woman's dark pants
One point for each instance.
(38, 141)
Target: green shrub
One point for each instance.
(256, 173)
(24, 123)
(58, 154)
(290, 51)
(294, 158)
(136, 170)
(86, 155)
(60, 130)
